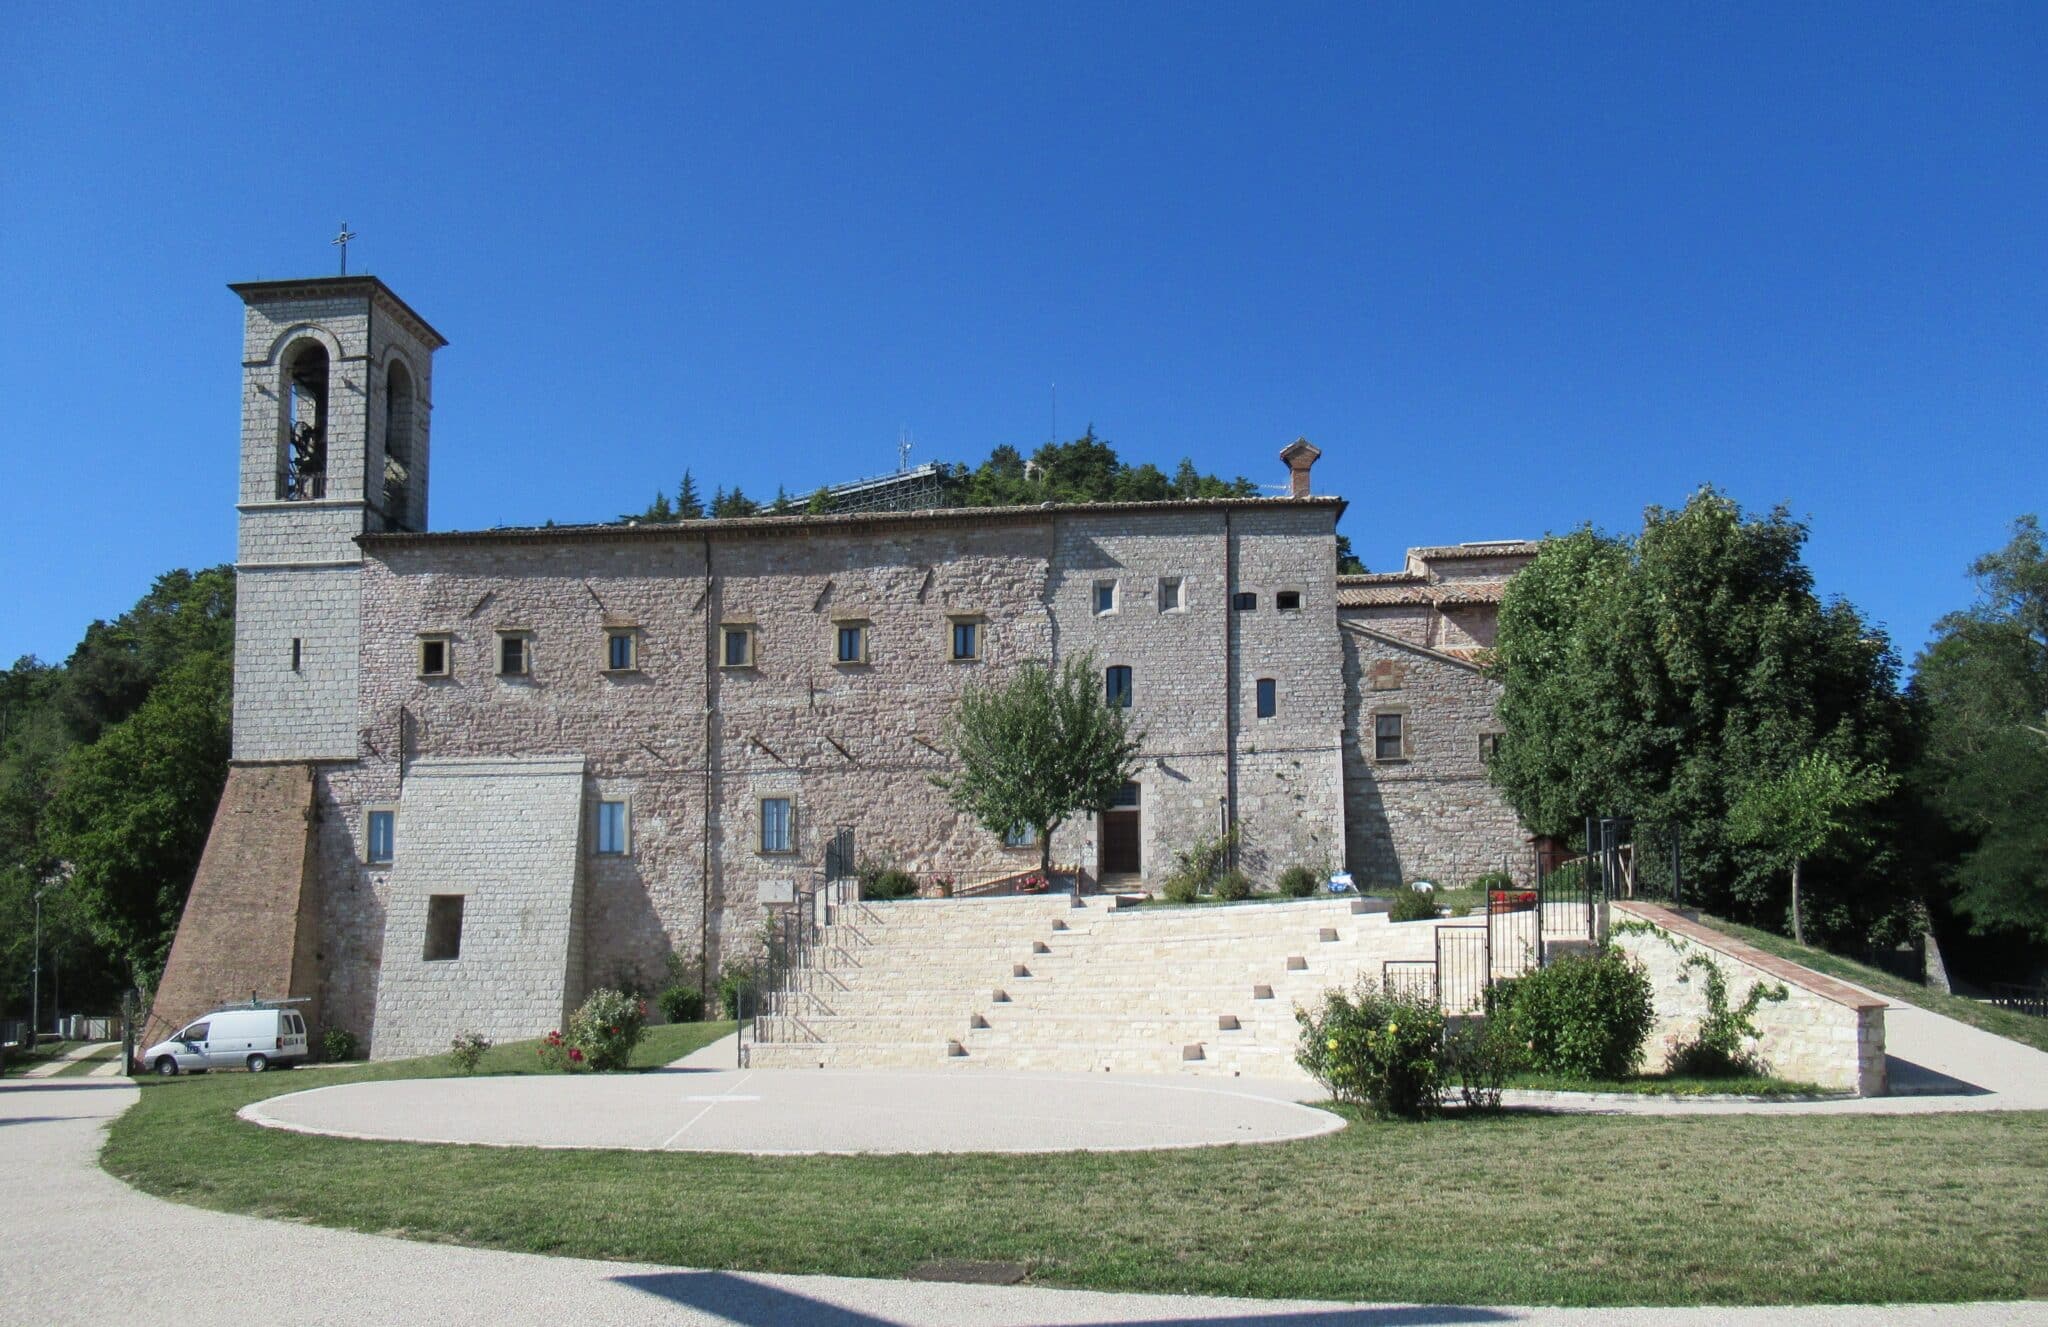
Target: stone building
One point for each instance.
(477, 772)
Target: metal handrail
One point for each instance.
(794, 937)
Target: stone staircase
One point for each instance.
(1037, 983)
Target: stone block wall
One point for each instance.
(1824, 1032)
(507, 837)
(307, 713)
(1432, 814)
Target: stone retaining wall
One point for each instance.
(1823, 1032)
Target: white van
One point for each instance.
(252, 1039)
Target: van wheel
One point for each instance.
(166, 1067)
(258, 1063)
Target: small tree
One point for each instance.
(1039, 749)
(689, 507)
(1803, 812)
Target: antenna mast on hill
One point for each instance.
(902, 450)
(1054, 436)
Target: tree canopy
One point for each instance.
(1039, 748)
(1661, 675)
(1981, 688)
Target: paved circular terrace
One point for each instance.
(800, 1111)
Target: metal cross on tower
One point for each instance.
(341, 241)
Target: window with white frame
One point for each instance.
(614, 828)
(380, 834)
(1105, 598)
(777, 813)
(621, 650)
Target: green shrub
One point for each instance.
(607, 1028)
(736, 979)
(468, 1049)
(882, 882)
(1232, 885)
(680, 1003)
(1376, 1049)
(1179, 887)
(1581, 1016)
(1722, 1048)
(1480, 1054)
(1411, 905)
(1197, 868)
(1492, 880)
(337, 1044)
(1299, 881)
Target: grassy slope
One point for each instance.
(2004, 1022)
(1519, 1209)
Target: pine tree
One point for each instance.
(689, 507)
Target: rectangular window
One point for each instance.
(1489, 746)
(1119, 686)
(1020, 836)
(380, 834)
(612, 828)
(1386, 737)
(1105, 598)
(736, 646)
(852, 643)
(1287, 601)
(1269, 698)
(1169, 594)
(775, 827)
(1127, 795)
(434, 656)
(513, 655)
(966, 641)
(1245, 601)
(621, 651)
(444, 927)
(298, 652)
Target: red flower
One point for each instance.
(575, 1056)
(615, 1032)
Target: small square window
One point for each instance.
(1245, 601)
(1387, 737)
(776, 813)
(612, 839)
(1287, 601)
(434, 653)
(736, 646)
(1105, 598)
(966, 641)
(850, 643)
(621, 651)
(1269, 698)
(1020, 836)
(380, 833)
(1170, 594)
(444, 927)
(514, 656)
(1118, 686)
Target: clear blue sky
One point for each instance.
(1512, 270)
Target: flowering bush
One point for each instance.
(1376, 1049)
(606, 1029)
(555, 1052)
(468, 1050)
(1031, 884)
(942, 886)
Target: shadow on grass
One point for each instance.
(752, 1303)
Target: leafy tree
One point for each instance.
(689, 507)
(132, 810)
(1981, 689)
(1040, 748)
(821, 502)
(1663, 674)
(114, 667)
(1805, 811)
(1348, 563)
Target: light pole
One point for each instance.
(35, 993)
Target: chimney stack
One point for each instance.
(1299, 456)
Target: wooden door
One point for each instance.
(1120, 854)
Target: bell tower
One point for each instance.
(337, 388)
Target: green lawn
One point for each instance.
(85, 1064)
(1670, 1085)
(2004, 1022)
(1522, 1209)
(19, 1062)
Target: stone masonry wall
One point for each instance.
(1432, 814)
(505, 836)
(1824, 1032)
